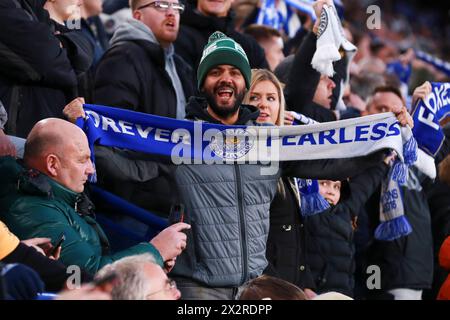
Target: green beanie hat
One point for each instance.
(223, 50)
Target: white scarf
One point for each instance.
(329, 39)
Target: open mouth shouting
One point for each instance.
(224, 94)
(170, 24)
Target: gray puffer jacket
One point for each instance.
(228, 205)
(228, 209)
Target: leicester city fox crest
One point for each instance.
(232, 143)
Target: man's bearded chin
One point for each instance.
(224, 111)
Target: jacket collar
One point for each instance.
(62, 193)
(33, 182)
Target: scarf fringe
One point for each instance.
(410, 152)
(400, 169)
(393, 229)
(399, 172)
(323, 58)
(312, 204)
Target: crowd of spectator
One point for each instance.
(243, 235)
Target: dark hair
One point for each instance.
(261, 32)
(376, 45)
(270, 287)
(388, 88)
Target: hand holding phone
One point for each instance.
(58, 243)
(176, 214)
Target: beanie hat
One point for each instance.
(223, 50)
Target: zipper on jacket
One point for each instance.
(242, 222)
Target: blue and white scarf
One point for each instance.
(393, 223)
(427, 114)
(428, 137)
(196, 142)
(441, 65)
(200, 142)
(311, 201)
(268, 15)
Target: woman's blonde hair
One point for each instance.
(259, 75)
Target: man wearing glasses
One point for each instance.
(139, 277)
(141, 72)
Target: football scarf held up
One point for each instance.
(197, 142)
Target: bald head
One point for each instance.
(50, 136)
(59, 149)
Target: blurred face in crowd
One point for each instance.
(161, 288)
(92, 7)
(224, 89)
(324, 92)
(330, 190)
(162, 19)
(63, 10)
(264, 95)
(215, 8)
(383, 102)
(273, 49)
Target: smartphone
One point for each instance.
(58, 243)
(176, 213)
(109, 278)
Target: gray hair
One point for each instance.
(133, 282)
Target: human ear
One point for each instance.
(52, 165)
(137, 15)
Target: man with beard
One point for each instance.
(228, 205)
(203, 17)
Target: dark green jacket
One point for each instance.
(33, 205)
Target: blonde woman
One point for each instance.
(266, 93)
(286, 250)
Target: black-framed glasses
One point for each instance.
(163, 6)
(170, 284)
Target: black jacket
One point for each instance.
(302, 83)
(286, 244)
(195, 30)
(52, 272)
(37, 76)
(132, 75)
(406, 262)
(330, 249)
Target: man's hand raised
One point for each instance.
(403, 116)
